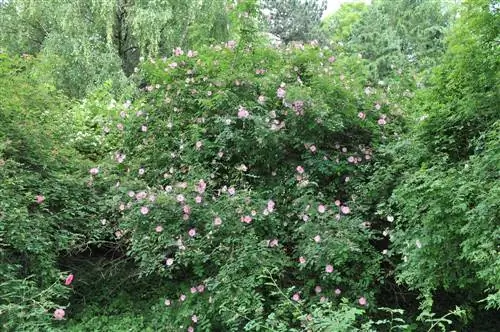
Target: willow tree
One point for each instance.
(86, 42)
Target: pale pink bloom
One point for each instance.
(94, 171)
(185, 217)
(191, 54)
(152, 198)
(168, 302)
(190, 329)
(305, 217)
(270, 205)
(337, 202)
(337, 216)
(362, 301)
(118, 234)
(192, 232)
(280, 93)
(173, 65)
(69, 280)
(302, 260)
(338, 291)
(59, 314)
(119, 126)
(331, 59)
(200, 288)
(144, 210)
(169, 261)
(296, 297)
(144, 128)
(200, 188)
(141, 195)
(141, 171)
(242, 113)
(198, 145)
(345, 209)
(261, 100)
(317, 289)
(381, 121)
(180, 198)
(368, 157)
(159, 229)
(193, 290)
(231, 44)
(182, 298)
(300, 169)
(390, 218)
(253, 213)
(131, 194)
(40, 199)
(186, 209)
(194, 319)
(246, 219)
(322, 299)
(350, 159)
(231, 191)
(317, 239)
(198, 199)
(361, 115)
(313, 148)
(120, 157)
(178, 51)
(217, 221)
(321, 208)
(329, 268)
(377, 106)
(273, 243)
(344, 150)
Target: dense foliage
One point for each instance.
(218, 184)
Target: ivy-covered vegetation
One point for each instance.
(167, 166)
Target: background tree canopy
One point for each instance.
(165, 165)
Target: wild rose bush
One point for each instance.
(234, 180)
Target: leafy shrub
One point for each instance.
(235, 169)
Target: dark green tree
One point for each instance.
(293, 20)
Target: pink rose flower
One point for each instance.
(69, 280)
(345, 209)
(144, 210)
(246, 219)
(59, 314)
(329, 268)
